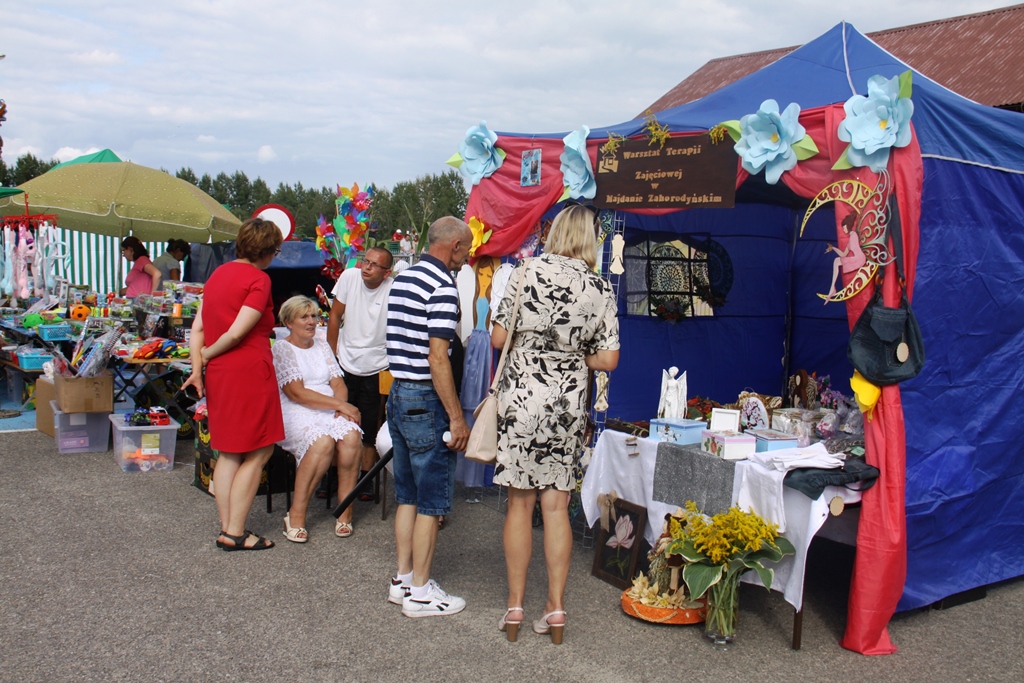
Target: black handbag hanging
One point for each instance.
(885, 343)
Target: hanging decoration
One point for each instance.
(866, 249)
(7, 282)
(657, 133)
(24, 254)
(480, 234)
(612, 146)
(30, 248)
(478, 158)
(876, 123)
(577, 170)
(770, 140)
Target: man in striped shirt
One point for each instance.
(422, 406)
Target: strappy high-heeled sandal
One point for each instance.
(295, 534)
(239, 542)
(510, 626)
(544, 627)
(342, 529)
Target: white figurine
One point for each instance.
(673, 394)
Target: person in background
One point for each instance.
(169, 262)
(566, 326)
(361, 302)
(231, 342)
(422, 405)
(144, 277)
(321, 425)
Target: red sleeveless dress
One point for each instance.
(241, 387)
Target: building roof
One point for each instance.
(975, 55)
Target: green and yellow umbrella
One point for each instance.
(122, 199)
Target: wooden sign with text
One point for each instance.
(688, 172)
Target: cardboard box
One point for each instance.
(45, 392)
(728, 445)
(86, 394)
(676, 430)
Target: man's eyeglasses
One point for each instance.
(367, 264)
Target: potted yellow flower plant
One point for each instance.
(716, 551)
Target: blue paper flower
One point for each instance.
(767, 138)
(577, 171)
(480, 158)
(875, 123)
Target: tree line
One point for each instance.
(410, 206)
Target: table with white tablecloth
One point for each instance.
(632, 477)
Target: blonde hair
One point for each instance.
(572, 235)
(295, 307)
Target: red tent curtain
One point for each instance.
(880, 567)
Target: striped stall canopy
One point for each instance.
(95, 260)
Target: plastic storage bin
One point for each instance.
(33, 360)
(55, 332)
(144, 449)
(80, 432)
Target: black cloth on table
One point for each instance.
(811, 481)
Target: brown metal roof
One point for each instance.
(977, 55)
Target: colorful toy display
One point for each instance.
(343, 239)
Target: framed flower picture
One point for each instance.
(618, 549)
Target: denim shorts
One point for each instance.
(424, 467)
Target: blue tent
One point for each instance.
(964, 459)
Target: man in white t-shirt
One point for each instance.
(357, 331)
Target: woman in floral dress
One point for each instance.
(566, 326)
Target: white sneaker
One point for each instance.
(436, 604)
(397, 591)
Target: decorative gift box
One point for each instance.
(772, 440)
(676, 430)
(723, 419)
(728, 445)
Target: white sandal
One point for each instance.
(342, 529)
(509, 626)
(295, 534)
(543, 626)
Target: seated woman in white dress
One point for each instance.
(321, 428)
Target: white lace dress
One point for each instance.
(316, 367)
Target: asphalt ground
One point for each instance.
(112, 576)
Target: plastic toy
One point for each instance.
(80, 312)
(158, 417)
(145, 461)
(140, 418)
(149, 350)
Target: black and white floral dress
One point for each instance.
(566, 311)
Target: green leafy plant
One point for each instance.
(725, 545)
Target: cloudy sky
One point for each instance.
(333, 91)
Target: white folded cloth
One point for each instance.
(815, 455)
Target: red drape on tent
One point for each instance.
(509, 208)
(880, 567)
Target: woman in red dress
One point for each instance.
(231, 340)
